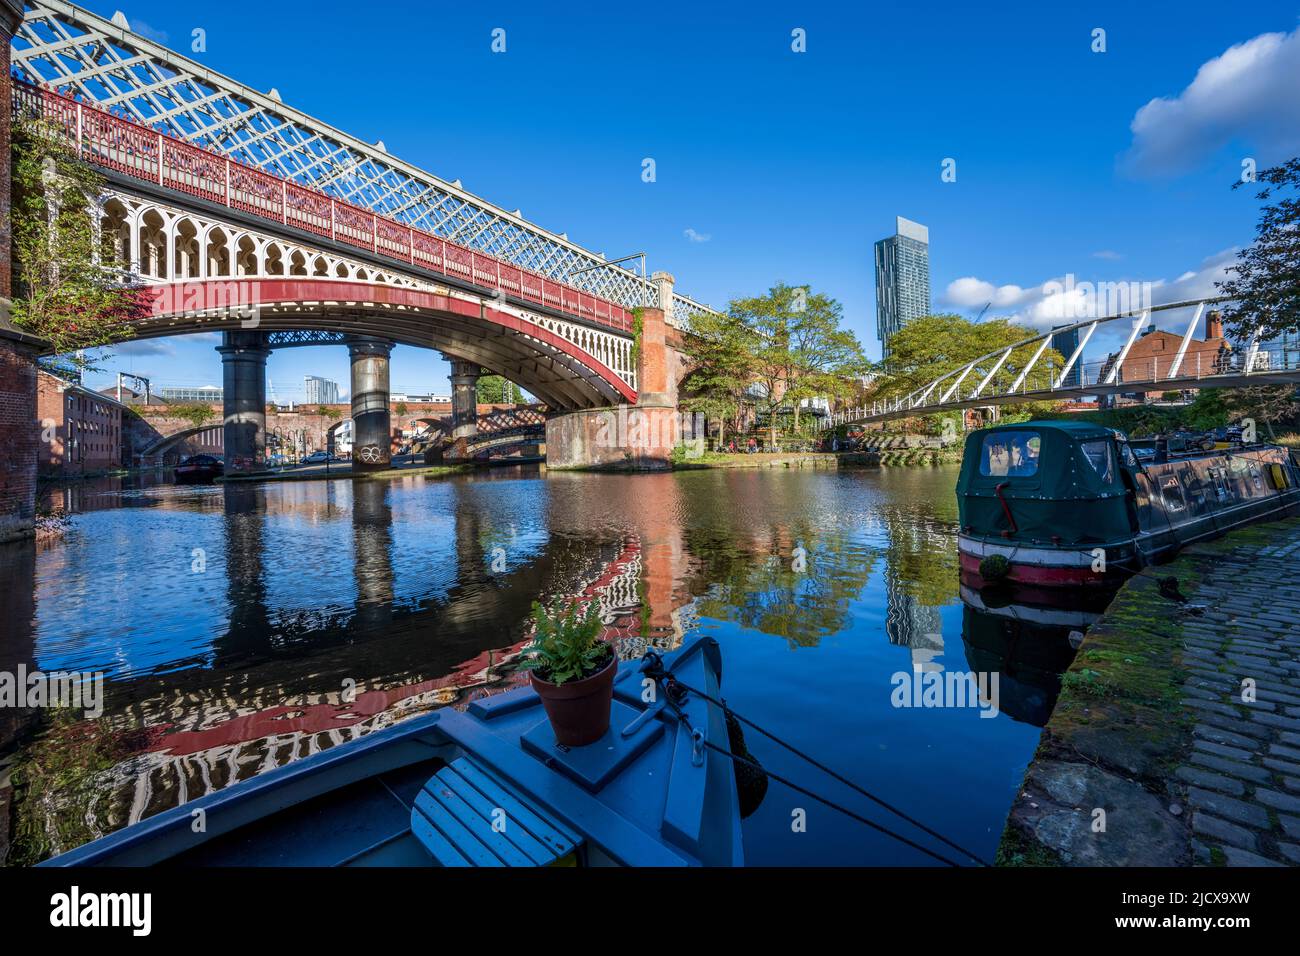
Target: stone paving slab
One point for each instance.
(1187, 719)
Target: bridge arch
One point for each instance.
(161, 447)
(566, 365)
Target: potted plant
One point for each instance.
(573, 671)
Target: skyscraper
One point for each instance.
(902, 279)
(1066, 343)
(321, 391)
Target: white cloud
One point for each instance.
(148, 32)
(1078, 296)
(972, 293)
(1248, 95)
(1108, 254)
(694, 236)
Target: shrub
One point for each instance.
(566, 646)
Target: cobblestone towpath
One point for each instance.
(1176, 738)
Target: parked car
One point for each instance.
(198, 469)
(319, 458)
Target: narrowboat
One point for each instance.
(1048, 504)
(199, 469)
(486, 786)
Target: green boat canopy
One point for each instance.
(1060, 481)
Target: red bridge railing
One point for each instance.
(135, 150)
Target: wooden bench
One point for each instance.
(464, 816)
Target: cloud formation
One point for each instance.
(1072, 298)
(694, 236)
(1249, 95)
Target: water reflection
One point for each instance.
(245, 626)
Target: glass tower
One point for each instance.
(321, 391)
(1066, 343)
(902, 279)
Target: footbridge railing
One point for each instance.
(992, 379)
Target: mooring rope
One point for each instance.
(657, 671)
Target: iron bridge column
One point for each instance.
(243, 376)
(371, 425)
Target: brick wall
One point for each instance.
(79, 432)
(17, 372)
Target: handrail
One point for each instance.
(136, 150)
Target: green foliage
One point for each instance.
(400, 408)
(196, 413)
(493, 389)
(64, 295)
(720, 353)
(331, 413)
(566, 646)
(934, 345)
(1265, 281)
(799, 347)
(638, 325)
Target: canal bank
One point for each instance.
(1176, 737)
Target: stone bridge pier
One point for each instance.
(639, 437)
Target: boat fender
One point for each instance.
(751, 781)
(1279, 476)
(994, 567)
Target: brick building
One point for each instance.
(1153, 354)
(80, 430)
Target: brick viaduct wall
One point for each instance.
(18, 436)
(152, 424)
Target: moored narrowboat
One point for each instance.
(1064, 503)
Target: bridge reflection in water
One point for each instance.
(246, 626)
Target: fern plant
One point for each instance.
(566, 646)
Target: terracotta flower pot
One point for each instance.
(579, 709)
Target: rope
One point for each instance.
(827, 770)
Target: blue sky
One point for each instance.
(781, 166)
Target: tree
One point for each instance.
(1265, 281)
(494, 389)
(719, 350)
(65, 296)
(400, 408)
(799, 348)
(1272, 403)
(934, 345)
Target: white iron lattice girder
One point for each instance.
(124, 211)
(68, 47)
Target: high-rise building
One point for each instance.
(902, 279)
(1066, 343)
(321, 391)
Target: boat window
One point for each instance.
(1011, 454)
(1172, 492)
(1126, 455)
(1256, 477)
(1099, 456)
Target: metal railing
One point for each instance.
(134, 150)
(991, 379)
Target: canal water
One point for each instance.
(239, 627)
